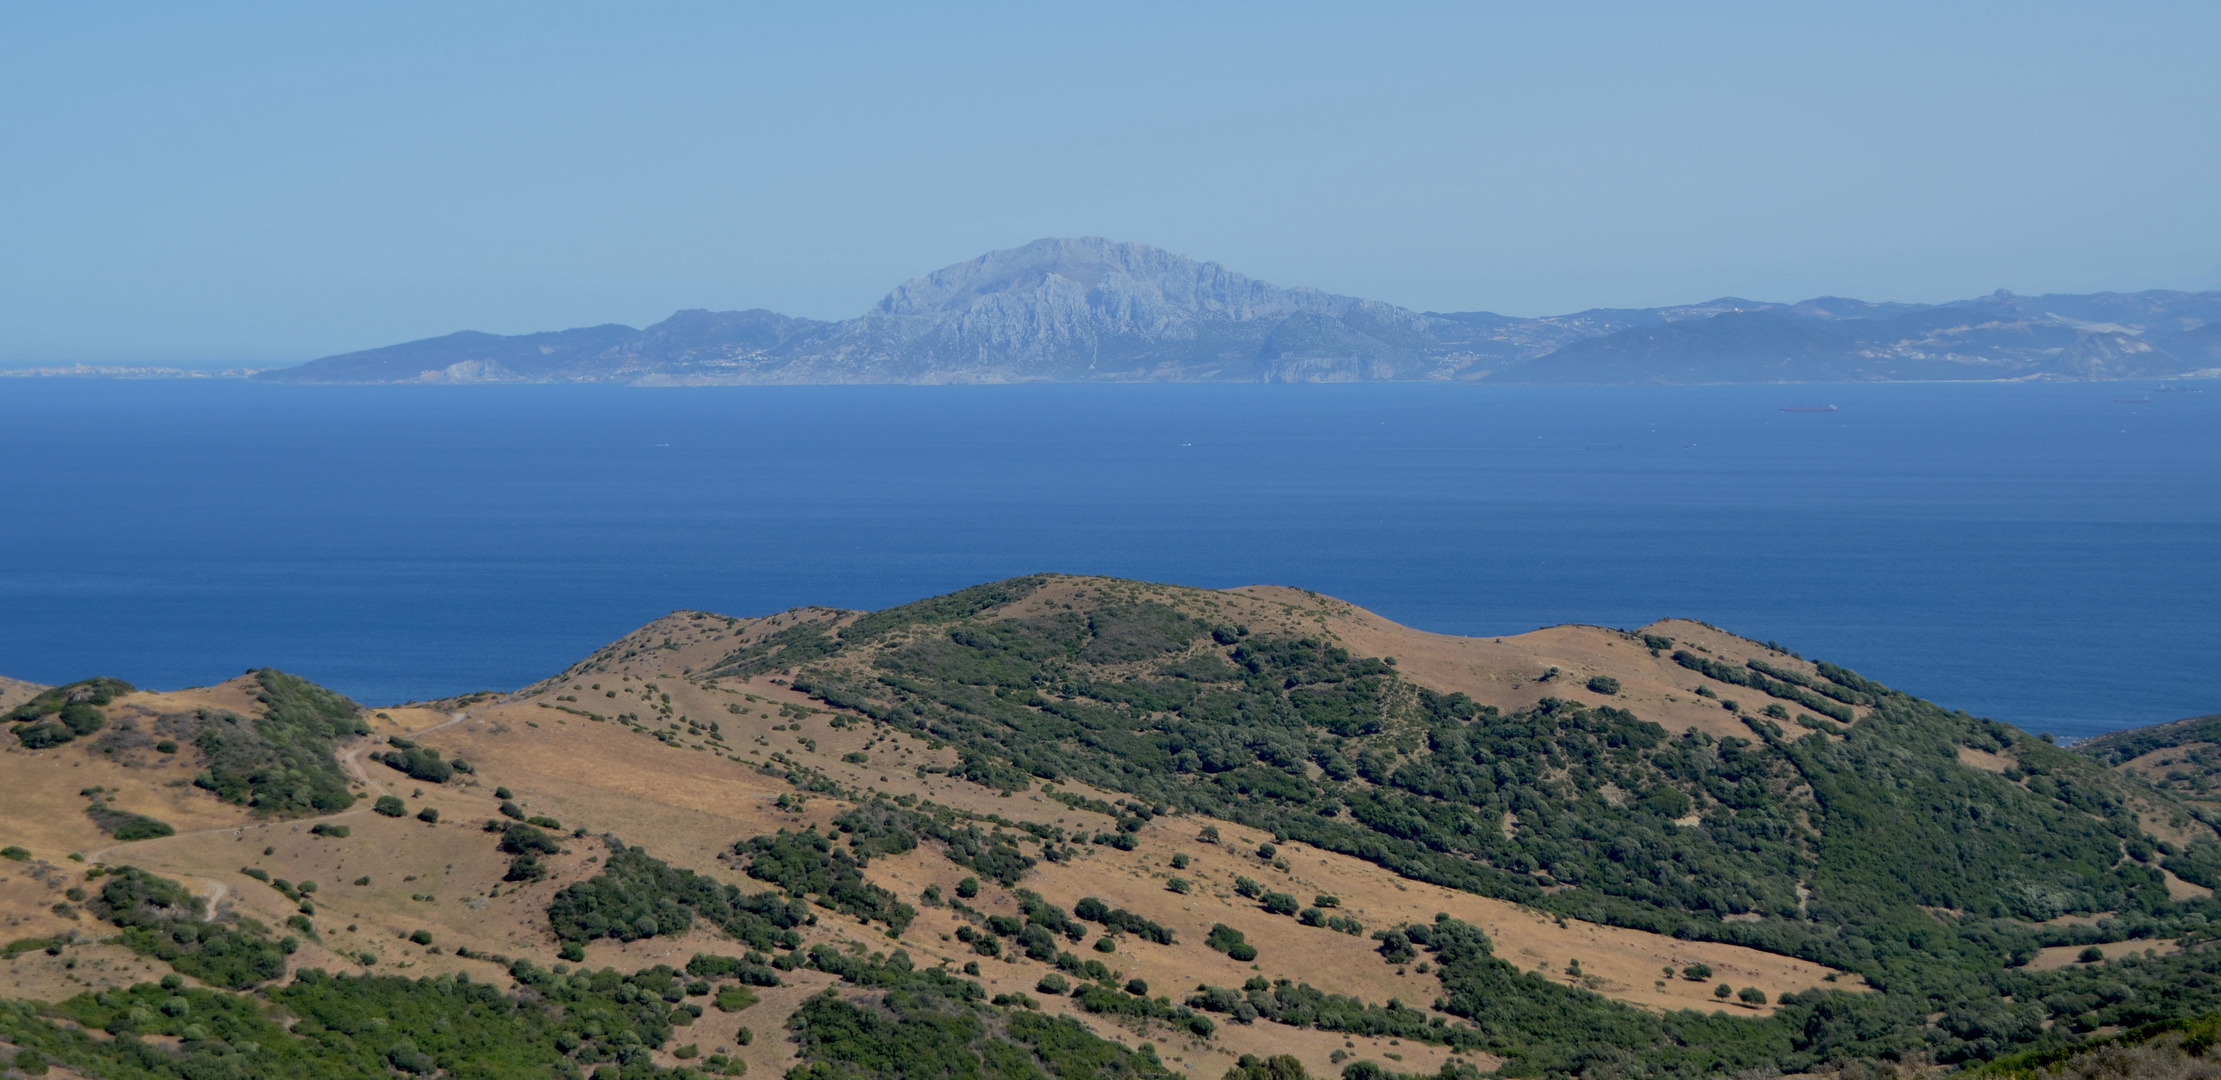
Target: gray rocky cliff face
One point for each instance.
(1088, 308)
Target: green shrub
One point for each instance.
(1222, 938)
(430, 815)
(127, 826)
(880, 827)
(160, 918)
(1122, 921)
(418, 762)
(75, 709)
(15, 853)
(43, 736)
(280, 764)
(1603, 684)
(636, 896)
(807, 863)
(336, 832)
(390, 806)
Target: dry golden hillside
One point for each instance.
(635, 743)
(1675, 857)
(14, 692)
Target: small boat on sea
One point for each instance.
(1810, 408)
(2132, 401)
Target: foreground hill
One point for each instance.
(1085, 827)
(1090, 310)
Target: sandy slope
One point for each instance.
(688, 799)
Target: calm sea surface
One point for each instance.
(2048, 555)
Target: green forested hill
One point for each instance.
(1871, 847)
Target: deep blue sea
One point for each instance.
(2045, 554)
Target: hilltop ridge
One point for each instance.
(1097, 310)
(1287, 824)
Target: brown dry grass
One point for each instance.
(14, 692)
(1507, 672)
(2059, 956)
(689, 801)
(1985, 760)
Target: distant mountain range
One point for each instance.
(1094, 310)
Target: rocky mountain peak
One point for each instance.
(1103, 273)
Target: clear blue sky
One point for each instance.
(217, 182)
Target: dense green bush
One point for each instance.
(159, 918)
(1300, 1005)
(281, 763)
(1224, 938)
(390, 806)
(74, 708)
(419, 762)
(1122, 920)
(1755, 675)
(807, 864)
(638, 896)
(884, 828)
(931, 1024)
(750, 970)
(124, 825)
(366, 1027)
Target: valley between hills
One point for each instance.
(1077, 826)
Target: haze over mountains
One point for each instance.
(1095, 310)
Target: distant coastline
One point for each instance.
(1098, 311)
(125, 371)
(1093, 310)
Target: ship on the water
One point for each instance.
(1810, 408)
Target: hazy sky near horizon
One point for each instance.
(254, 183)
